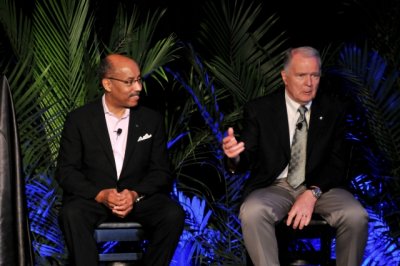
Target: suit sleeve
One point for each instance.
(250, 136)
(69, 172)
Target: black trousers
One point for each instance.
(162, 219)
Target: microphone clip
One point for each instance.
(118, 131)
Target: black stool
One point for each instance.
(293, 252)
(121, 232)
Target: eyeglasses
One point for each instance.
(128, 82)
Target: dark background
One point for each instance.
(307, 22)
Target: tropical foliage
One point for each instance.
(234, 69)
(50, 57)
(375, 133)
(51, 71)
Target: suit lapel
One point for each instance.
(281, 123)
(101, 132)
(316, 126)
(133, 135)
(283, 126)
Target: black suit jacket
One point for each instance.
(267, 144)
(86, 163)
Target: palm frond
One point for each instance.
(17, 27)
(47, 237)
(374, 88)
(245, 63)
(239, 71)
(62, 30)
(137, 40)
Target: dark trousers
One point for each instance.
(161, 217)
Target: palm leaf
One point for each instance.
(137, 41)
(374, 89)
(245, 64)
(373, 86)
(62, 31)
(220, 84)
(17, 27)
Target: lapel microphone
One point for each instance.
(118, 131)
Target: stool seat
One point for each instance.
(120, 231)
(116, 224)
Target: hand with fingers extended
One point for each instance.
(300, 214)
(231, 147)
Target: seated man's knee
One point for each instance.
(254, 214)
(174, 215)
(357, 217)
(70, 211)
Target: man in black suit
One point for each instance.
(113, 163)
(270, 194)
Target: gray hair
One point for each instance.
(306, 51)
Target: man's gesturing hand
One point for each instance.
(232, 148)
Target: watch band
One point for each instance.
(316, 191)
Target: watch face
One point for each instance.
(317, 192)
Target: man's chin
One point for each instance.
(308, 97)
(132, 104)
(133, 101)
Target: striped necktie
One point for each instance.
(297, 164)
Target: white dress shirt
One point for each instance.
(118, 133)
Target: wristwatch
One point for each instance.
(316, 191)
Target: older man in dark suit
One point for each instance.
(293, 142)
(113, 162)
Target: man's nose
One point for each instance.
(309, 80)
(137, 86)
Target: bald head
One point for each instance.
(111, 63)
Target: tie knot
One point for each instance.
(302, 109)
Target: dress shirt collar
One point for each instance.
(108, 112)
(292, 105)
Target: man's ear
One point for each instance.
(283, 75)
(106, 84)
